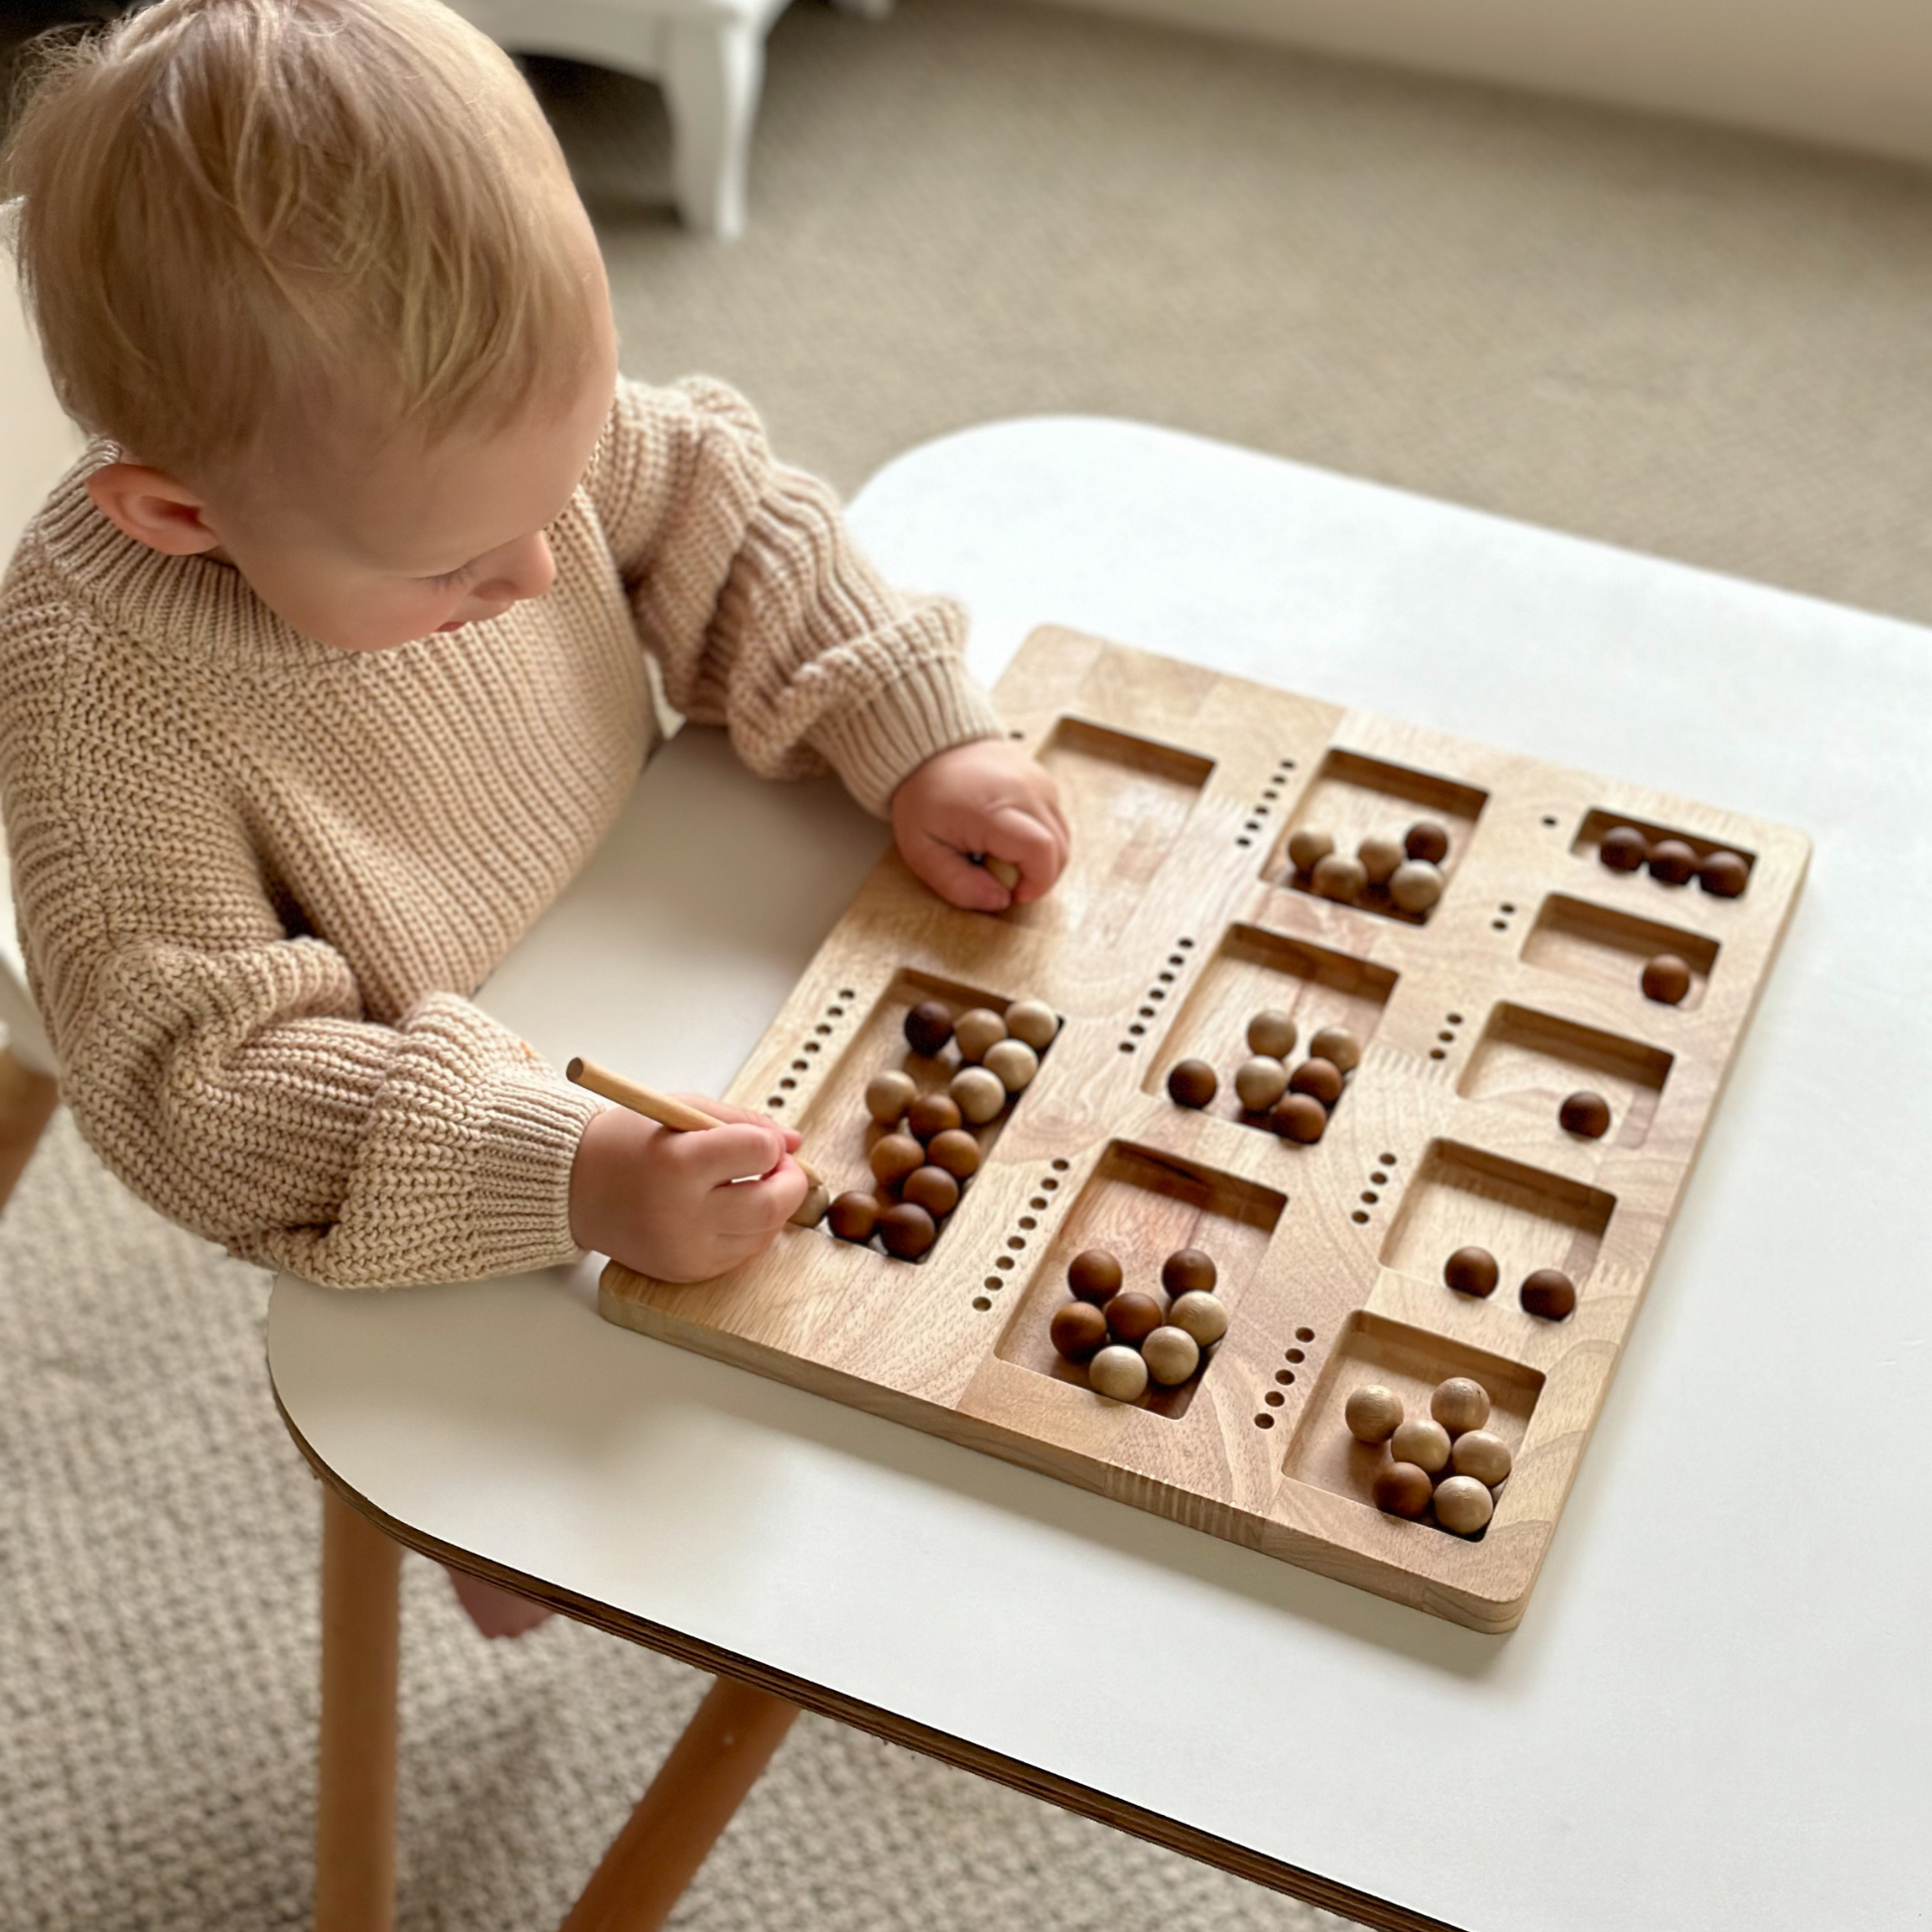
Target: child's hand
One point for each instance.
(662, 1202)
(987, 799)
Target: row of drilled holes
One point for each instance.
(1446, 1038)
(821, 1034)
(1040, 1203)
(1377, 1180)
(1150, 1007)
(1286, 1377)
(1259, 810)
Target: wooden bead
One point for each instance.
(1379, 857)
(887, 1095)
(1132, 1317)
(1189, 1272)
(1034, 1022)
(1482, 1455)
(1463, 1504)
(1623, 849)
(956, 1151)
(1460, 1402)
(1205, 1316)
(1666, 979)
(1077, 1329)
(908, 1230)
(1172, 1355)
(1260, 1082)
(1422, 1441)
(814, 1207)
(1584, 1114)
(1271, 1035)
(931, 1115)
(1723, 875)
(1005, 871)
(1012, 1063)
(1318, 1079)
(980, 1094)
(1339, 877)
(1471, 1271)
(975, 1030)
(1307, 847)
(1339, 1046)
(1299, 1116)
(1547, 1293)
(1402, 1490)
(932, 1188)
(928, 1027)
(1416, 885)
(1372, 1413)
(1118, 1373)
(1093, 1275)
(854, 1216)
(893, 1156)
(1427, 840)
(1673, 862)
(1192, 1083)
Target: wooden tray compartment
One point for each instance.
(1601, 943)
(1597, 821)
(1533, 1060)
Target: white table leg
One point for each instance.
(712, 75)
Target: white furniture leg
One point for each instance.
(712, 75)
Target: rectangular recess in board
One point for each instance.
(1589, 842)
(1534, 1060)
(1598, 942)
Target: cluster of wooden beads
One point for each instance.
(1445, 1460)
(1672, 862)
(1292, 1102)
(1547, 1293)
(923, 1160)
(1406, 874)
(1126, 1338)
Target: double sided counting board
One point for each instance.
(1181, 917)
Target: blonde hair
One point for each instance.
(230, 213)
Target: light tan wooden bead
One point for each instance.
(1260, 1082)
(1459, 1404)
(1012, 1063)
(1422, 1442)
(887, 1095)
(1372, 1413)
(975, 1030)
(1172, 1354)
(1201, 1315)
(1005, 871)
(1034, 1022)
(978, 1094)
(1307, 847)
(811, 1210)
(1482, 1455)
(1416, 885)
(1117, 1371)
(1271, 1035)
(1379, 857)
(1339, 1046)
(1463, 1504)
(1339, 878)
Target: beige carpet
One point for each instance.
(1698, 343)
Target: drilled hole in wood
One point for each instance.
(823, 1032)
(1038, 1200)
(992, 1281)
(1499, 926)
(775, 1100)
(788, 1083)
(1371, 1198)
(1136, 1029)
(1360, 1217)
(1060, 1167)
(800, 1067)
(1166, 978)
(846, 993)
(1436, 1053)
(1260, 811)
(1264, 1422)
(1387, 1160)
(1285, 1376)
(979, 1302)
(1302, 1334)
(1273, 1398)
(1295, 1354)
(1146, 1013)
(1380, 1180)
(1447, 1038)
(811, 1046)
(1507, 906)
(1005, 1261)
(1548, 820)
(1244, 842)
(1183, 944)
(1127, 1046)
(1455, 1020)
(1027, 1221)
(1016, 1241)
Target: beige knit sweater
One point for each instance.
(258, 879)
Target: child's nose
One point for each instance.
(527, 571)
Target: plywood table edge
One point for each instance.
(946, 1748)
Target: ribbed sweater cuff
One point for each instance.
(527, 1141)
(932, 708)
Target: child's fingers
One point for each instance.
(755, 1209)
(713, 1156)
(723, 1110)
(954, 877)
(1037, 848)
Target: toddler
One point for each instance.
(326, 668)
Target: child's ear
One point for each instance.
(153, 509)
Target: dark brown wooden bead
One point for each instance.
(1471, 1271)
(908, 1230)
(1189, 1272)
(1300, 1117)
(893, 1156)
(1093, 1275)
(1132, 1317)
(1666, 979)
(930, 1114)
(1549, 1293)
(1673, 862)
(1623, 849)
(928, 1027)
(1427, 842)
(932, 1188)
(1077, 1329)
(852, 1217)
(1318, 1079)
(1192, 1083)
(1584, 1114)
(957, 1151)
(1723, 875)
(1403, 1489)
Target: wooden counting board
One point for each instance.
(1175, 923)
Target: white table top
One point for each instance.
(1715, 1713)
